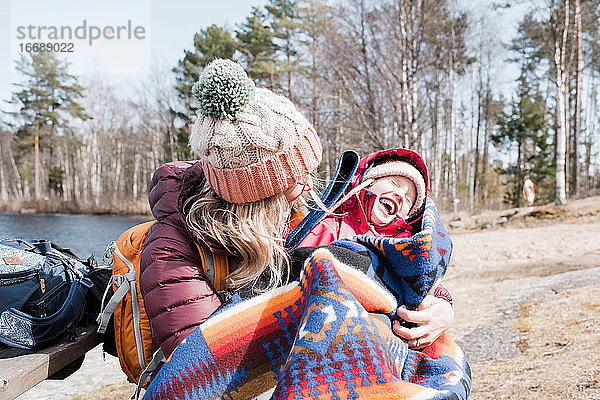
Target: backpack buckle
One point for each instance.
(107, 257)
(86, 282)
(118, 280)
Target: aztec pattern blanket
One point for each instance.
(326, 335)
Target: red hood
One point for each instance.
(391, 155)
(380, 157)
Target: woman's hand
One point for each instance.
(433, 316)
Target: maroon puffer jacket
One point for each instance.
(177, 295)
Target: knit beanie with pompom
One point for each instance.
(252, 143)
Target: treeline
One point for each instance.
(368, 74)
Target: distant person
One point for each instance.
(387, 197)
(529, 191)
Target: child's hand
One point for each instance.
(433, 316)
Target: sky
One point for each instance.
(168, 28)
(165, 28)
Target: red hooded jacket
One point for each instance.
(353, 220)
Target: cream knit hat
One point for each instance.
(252, 142)
(400, 168)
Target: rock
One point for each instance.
(487, 225)
(514, 214)
(457, 223)
(546, 286)
(488, 343)
(543, 212)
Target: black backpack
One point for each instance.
(42, 293)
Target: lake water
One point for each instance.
(85, 235)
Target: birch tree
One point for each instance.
(559, 23)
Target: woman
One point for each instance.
(256, 154)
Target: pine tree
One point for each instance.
(524, 125)
(285, 22)
(553, 34)
(48, 107)
(210, 43)
(255, 38)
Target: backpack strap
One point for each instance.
(215, 266)
(123, 282)
(157, 358)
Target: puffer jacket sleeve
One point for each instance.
(177, 295)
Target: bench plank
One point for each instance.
(20, 370)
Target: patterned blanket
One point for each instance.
(326, 335)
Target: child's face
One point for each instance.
(396, 196)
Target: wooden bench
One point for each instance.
(20, 370)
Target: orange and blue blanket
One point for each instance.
(327, 334)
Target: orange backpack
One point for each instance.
(133, 333)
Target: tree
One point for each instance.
(445, 38)
(554, 32)
(523, 125)
(559, 23)
(10, 183)
(315, 20)
(485, 105)
(577, 111)
(210, 43)
(255, 38)
(48, 109)
(285, 22)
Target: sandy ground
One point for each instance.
(527, 308)
(527, 302)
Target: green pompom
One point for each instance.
(223, 89)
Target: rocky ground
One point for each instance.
(526, 286)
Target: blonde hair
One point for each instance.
(254, 232)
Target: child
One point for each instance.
(386, 197)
